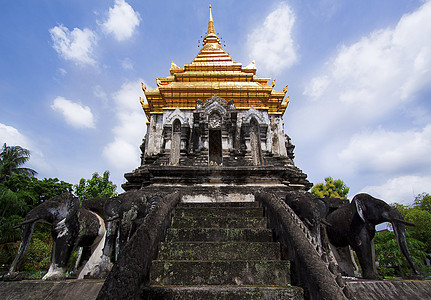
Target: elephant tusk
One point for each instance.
(323, 221)
(405, 222)
(307, 222)
(25, 222)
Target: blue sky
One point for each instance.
(359, 76)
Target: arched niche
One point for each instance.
(215, 149)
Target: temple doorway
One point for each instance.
(215, 147)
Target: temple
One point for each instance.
(217, 209)
(215, 116)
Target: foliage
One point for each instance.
(389, 255)
(423, 201)
(38, 254)
(7, 254)
(96, 187)
(331, 189)
(418, 238)
(419, 215)
(8, 232)
(13, 203)
(19, 193)
(11, 160)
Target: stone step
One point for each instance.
(195, 251)
(222, 293)
(218, 235)
(216, 211)
(220, 272)
(218, 222)
(219, 204)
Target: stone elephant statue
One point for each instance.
(310, 209)
(354, 225)
(71, 227)
(124, 213)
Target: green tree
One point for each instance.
(419, 215)
(389, 255)
(12, 158)
(96, 187)
(423, 201)
(23, 192)
(20, 191)
(18, 194)
(418, 237)
(330, 189)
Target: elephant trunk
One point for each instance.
(25, 242)
(400, 234)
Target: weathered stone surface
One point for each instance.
(50, 290)
(132, 270)
(236, 272)
(222, 293)
(218, 234)
(88, 289)
(218, 222)
(219, 212)
(233, 254)
(219, 251)
(399, 290)
(220, 198)
(220, 204)
(317, 280)
(287, 176)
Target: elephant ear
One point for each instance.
(360, 207)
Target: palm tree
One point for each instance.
(11, 160)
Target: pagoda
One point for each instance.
(215, 169)
(215, 122)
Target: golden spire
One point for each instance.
(211, 28)
(211, 36)
(211, 72)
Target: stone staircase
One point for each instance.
(220, 251)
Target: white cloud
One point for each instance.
(356, 104)
(369, 81)
(388, 151)
(271, 43)
(401, 189)
(62, 71)
(99, 92)
(381, 70)
(122, 21)
(76, 45)
(123, 153)
(75, 114)
(12, 137)
(127, 64)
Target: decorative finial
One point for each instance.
(211, 36)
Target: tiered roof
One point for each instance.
(211, 72)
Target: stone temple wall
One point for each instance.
(216, 132)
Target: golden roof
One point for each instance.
(211, 72)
